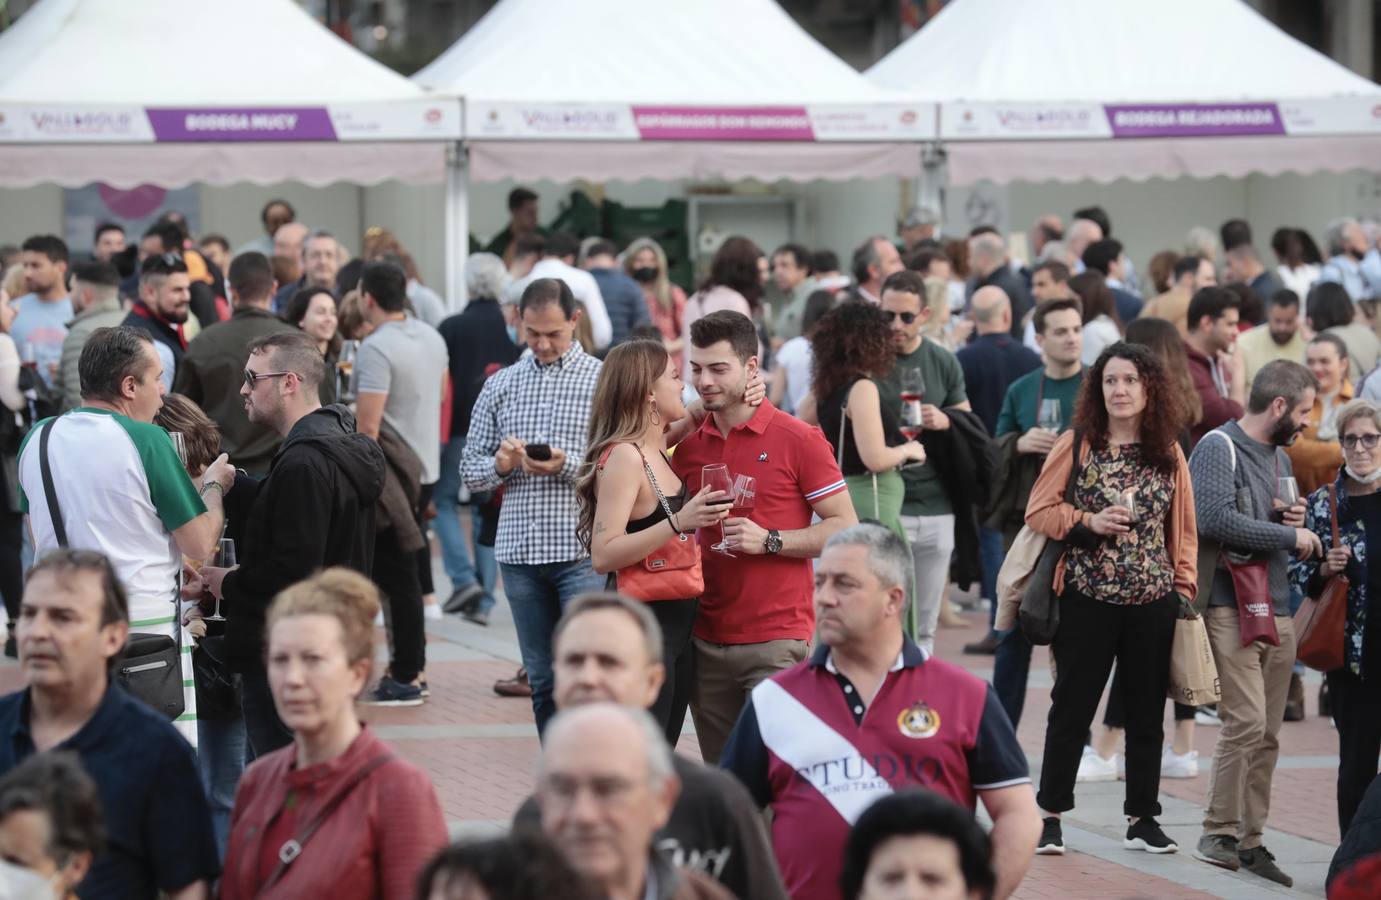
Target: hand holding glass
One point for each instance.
(716, 478)
(1287, 489)
(912, 396)
(179, 446)
(1127, 500)
(225, 559)
(1049, 416)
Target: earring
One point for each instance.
(656, 414)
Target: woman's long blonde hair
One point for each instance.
(619, 414)
(661, 288)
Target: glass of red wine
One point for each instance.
(745, 496)
(912, 396)
(716, 478)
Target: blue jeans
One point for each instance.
(455, 557)
(991, 554)
(537, 595)
(222, 751)
(1011, 668)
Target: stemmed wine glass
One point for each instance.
(1049, 416)
(224, 559)
(716, 477)
(1287, 489)
(345, 368)
(179, 446)
(745, 496)
(912, 395)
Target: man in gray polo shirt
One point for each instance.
(1234, 471)
(399, 373)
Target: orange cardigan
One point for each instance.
(1048, 513)
(1316, 462)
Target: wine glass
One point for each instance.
(912, 396)
(225, 559)
(1049, 416)
(345, 367)
(179, 446)
(745, 496)
(1287, 489)
(1127, 500)
(716, 477)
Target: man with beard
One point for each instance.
(1234, 471)
(1347, 245)
(1214, 369)
(165, 297)
(314, 510)
(41, 316)
(1276, 338)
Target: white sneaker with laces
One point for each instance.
(1093, 768)
(1179, 765)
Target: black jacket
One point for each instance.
(476, 339)
(1363, 838)
(966, 461)
(1014, 286)
(314, 509)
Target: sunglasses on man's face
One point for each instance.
(252, 378)
(1368, 441)
(907, 318)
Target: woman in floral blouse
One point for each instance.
(1129, 565)
(1355, 689)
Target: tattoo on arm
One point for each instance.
(599, 528)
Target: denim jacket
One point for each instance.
(1305, 575)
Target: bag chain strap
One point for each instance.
(657, 489)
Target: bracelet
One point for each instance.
(208, 486)
(675, 526)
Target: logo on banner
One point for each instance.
(432, 116)
(1044, 121)
(919, 721)
(72, 123)
(908, 117)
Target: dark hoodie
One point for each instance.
(314, 510)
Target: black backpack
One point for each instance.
(41, 402)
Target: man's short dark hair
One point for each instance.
(726, 325)
(387, 284)
(1213, 302)
(533, 244)
(977, 230)
(601, 247)
(1043, 311)
(264, 213)
(1284, 298)
(799, 255)
(1059, 272)
(518, 197)
(250, 277)
(915, 811)
(1236, 233)
(1098, 216)
(65, 562)
(824, 261)
(1186, 265)
(158, 264)
(546, 292)
(103, 228)
(296, 352)
(921, 260)
(1279, 378)
(97, 274)
(168, 234)
(865, 255)
(110, 356)
(1329, 305)
(50, 245)
(55, 785)
(907, 282)
(561, 245)
(1100, 255)
(219, 240)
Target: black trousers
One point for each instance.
(266, 732)
(1092, 635)
(1357, 713)
(677, 618)
(395, 572)
(424, 556)
(11, 566)
(1115, 717)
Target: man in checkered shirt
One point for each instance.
(543, 398)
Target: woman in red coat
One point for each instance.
(337, 814)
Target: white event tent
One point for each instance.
(1092, 89)
(170, 92)
(663, 89)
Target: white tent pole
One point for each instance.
(930, 188)
(457, 241)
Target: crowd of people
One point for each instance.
(225, 469)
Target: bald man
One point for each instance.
(1081, 233)
(991, 362)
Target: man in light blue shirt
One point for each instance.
(41, 324)
(1347, 245)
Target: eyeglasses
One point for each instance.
(1369, 441)
(906, 318)
(251, 378)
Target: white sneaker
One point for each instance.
(1179, 765)
(1093, 767)
(1206, 716)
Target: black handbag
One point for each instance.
(150, 667)
(1039, 614)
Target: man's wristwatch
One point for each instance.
(772, 543)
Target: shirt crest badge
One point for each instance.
(918, 721)
(762, 457)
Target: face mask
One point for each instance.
(1364, 479)
(645, 274)
(19, 883)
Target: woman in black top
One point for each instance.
(632, 503)
(851, 347)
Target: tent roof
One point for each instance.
(1110, 52)
(174, 52)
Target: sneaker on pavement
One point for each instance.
(478, 616)
(463, 599)
(1179, 765)
(1093, 768)
(1146, 835)
(985, 647)
(393, 693)
(1218, 850)
(1207, 715)
(1260, 861)
(1052, 842)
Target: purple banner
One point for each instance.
(720, 123)
(242, 124)
(1193, 119)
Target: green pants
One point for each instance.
(879, 498)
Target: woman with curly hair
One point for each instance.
(1130, 563)
(852, 347)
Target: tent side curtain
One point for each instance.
(1139, 160)
(176, 165)
(674, 161)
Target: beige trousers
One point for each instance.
(724, 676)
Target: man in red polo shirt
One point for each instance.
(870, 713)
(755, 616)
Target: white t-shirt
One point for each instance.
(794, 360)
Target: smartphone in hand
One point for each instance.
(538, 452)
